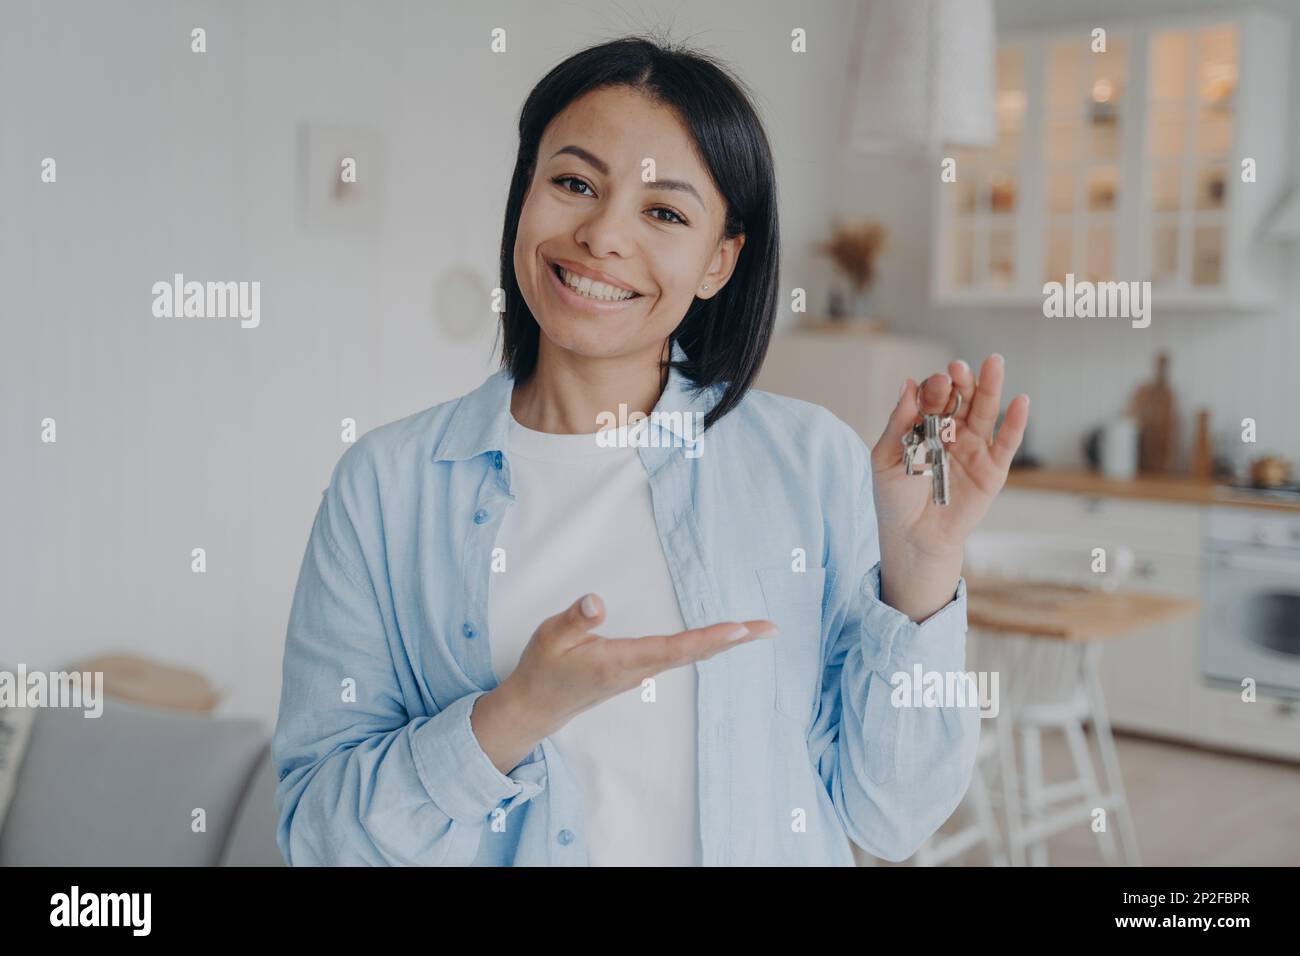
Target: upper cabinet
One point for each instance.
(1086, 119)
(1124, 164)
(1190, 119)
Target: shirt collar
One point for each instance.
(480, 421)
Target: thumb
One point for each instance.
(574, 621)
(889, 449)
(585, 613)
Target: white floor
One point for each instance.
(1190, 807)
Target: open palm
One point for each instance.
(978, 461)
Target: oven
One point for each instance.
(1251, 624)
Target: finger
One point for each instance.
(659, 652)
(987, 400)
(580, 616)
(703, 642)
(758, 629)
(936, 392)
(963, 382)
(1012, 431)
(888, 451)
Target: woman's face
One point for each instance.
(588, 211)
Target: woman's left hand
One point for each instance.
(921, 543)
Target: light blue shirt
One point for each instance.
(769, 515)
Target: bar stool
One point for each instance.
(1049, 685)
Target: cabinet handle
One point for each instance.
(1252, 563)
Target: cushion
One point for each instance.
(120, 789)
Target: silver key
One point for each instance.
(924, 454)
(914, 447)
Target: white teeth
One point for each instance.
(592, 289)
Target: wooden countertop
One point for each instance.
(1065, 612)
(1175, 488)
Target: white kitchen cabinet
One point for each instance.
(1151, 679)
(1267, 726)
(1146, 675)
(1166, 527)
(1124, 164)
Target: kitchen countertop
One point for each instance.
(1175, 488)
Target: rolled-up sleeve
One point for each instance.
(478, 787)
(894, 773)
(361, 781)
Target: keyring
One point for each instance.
(955, 410)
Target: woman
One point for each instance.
(519, 638)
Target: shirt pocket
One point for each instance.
(794, 604)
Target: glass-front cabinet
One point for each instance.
(1123, 160)
(1086, 115)
(987, 185)
(1191, 94)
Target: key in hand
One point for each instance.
(938, 459)
(914, 448)
(923, 446)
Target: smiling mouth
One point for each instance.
(595, 291)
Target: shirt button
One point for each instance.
(496, 459)
(566, 837)
(468, 629)
(480, 516)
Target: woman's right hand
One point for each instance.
(565, 670)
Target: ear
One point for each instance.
(721, 268)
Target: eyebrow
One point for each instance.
(603, 167)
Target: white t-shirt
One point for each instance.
(583, 522)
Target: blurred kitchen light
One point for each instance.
(921, 76)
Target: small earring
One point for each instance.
(706, 285)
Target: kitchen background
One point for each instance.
(1235, 362)
(177, 434)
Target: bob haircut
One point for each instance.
(725, 338)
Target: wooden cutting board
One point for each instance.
(1153, 407)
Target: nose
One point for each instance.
(606, 230)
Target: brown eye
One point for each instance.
(559, 180)
(677, 218)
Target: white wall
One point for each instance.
(179, 434)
